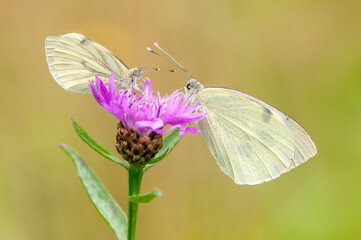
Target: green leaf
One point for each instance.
(94, 145)
(169, 143)
(107, 207)
(146, 197)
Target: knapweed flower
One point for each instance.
(143, 116)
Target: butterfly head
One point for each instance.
(194, 85)
(135, 74)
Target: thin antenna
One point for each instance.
(157, 69)
(150, 50)
(180, 65)
(173, 62)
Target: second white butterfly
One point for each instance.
(74, 59)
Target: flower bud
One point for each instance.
(137, 149)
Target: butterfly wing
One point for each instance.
(305, 148)
(250, 141)
(73, 60)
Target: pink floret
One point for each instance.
(144, 112)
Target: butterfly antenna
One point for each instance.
(179, 65)
(172, 61)
(150, 50)
(158, 69)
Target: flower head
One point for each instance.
(144, 115)
(146, 112)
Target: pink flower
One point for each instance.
(144, 112)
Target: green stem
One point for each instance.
(135, 174)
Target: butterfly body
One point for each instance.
(74, 60)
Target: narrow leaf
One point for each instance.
(107, 207)
(146, 197)
(169, 143)
(94, 145)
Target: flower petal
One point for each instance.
(154, 125)
(145, 112)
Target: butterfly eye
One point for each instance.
(189, 86)
(138, 73)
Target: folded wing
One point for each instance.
(252, 142)
(305, 148)
(73, 60)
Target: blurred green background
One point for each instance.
(303, 57)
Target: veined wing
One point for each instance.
(250, 143)
(73, 60)
(305, 148)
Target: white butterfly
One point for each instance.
(73, 60)
(252, 141)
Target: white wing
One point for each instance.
(73, 60)
(305, 148)
(250, 141)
